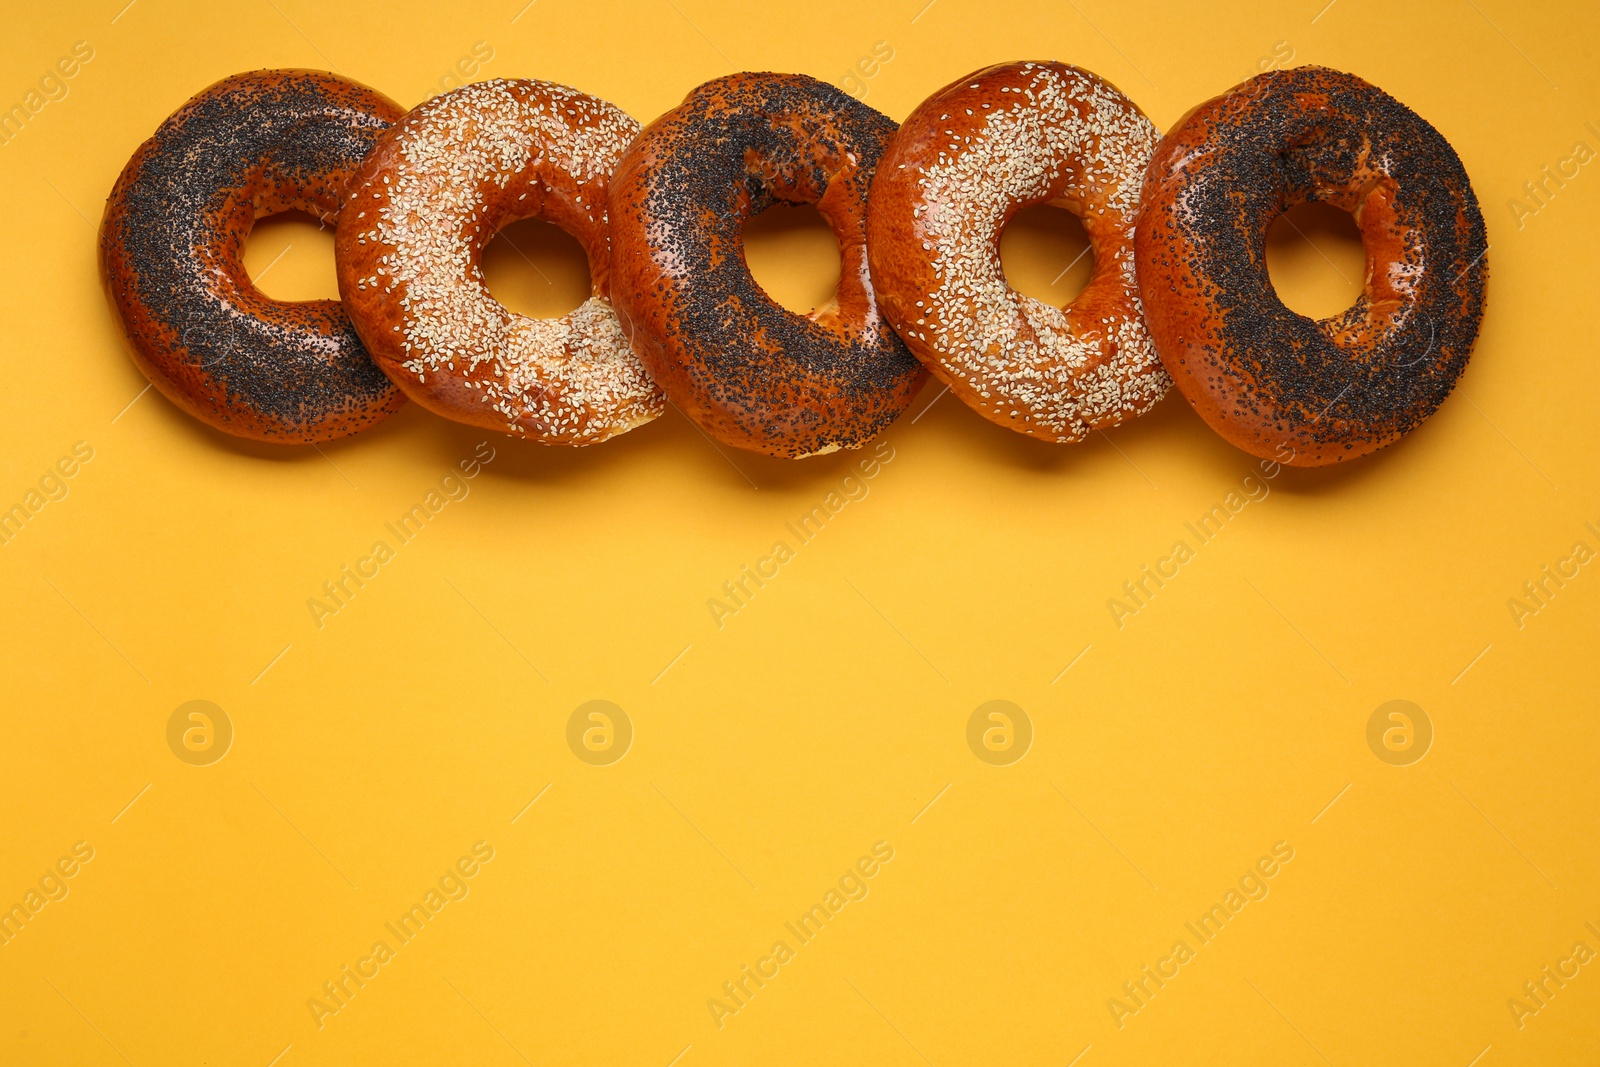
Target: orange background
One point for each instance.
(768, 755)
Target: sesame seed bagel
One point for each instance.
(1275, 383)
(409, 252)
(172, 242)
(749, 372)
(963, 164)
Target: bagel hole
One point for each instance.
(289, 256)
(1316, 259)
(537, 269)
(793, 255)
(1045, 254)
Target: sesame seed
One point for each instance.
(1069, 136)
(572, 380)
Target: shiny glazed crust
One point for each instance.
(749, 372)
(173, 236)
(409, 249)
(962, 165)
(1277, 384)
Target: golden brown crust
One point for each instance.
(1274, 383)
(962, 165)
(749, 372)
(409, 248)
(171, 246)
